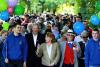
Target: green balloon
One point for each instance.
(97, 5)
(19, 10)
(5, 26)
(3, 5)
(99, 15)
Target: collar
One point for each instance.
(14, 35)
(71, 42)
(35, 35)
(96, 40)
(49, 45)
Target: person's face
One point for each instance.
(78, 19)
(64, 38)
(22, 29)
(17, 29)
(48, 39)
(85, 38)
(95, 34)
(35, 29)
(25, 18)
(70, 37)
(85, 23)
(4, 35)
(69, 23)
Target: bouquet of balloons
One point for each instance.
(95, 19)
(9, 7)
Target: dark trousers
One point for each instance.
(2, 64)
(68, 65)
(32, 63)
(81, 63)
(14, 64)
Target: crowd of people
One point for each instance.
(48, 40)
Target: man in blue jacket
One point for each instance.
(92, 50)
(15, 48)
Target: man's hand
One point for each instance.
(52, 64)
(37, 51)
(24, 64)
(6, 60)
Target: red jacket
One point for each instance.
(69, 55)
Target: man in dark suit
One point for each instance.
(34, 39)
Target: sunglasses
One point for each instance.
(70, 35)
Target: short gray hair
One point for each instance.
(36, 24)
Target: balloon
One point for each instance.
(78, 27)
(10, 10)
(3, 5)
(4, 15)
(5, 26)
(19, 10)
(97, 5)
(99, 15)
(12, 3)
(94, 20)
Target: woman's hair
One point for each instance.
(49, 34)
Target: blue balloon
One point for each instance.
(78, 27)
(4, 15)
(94, 20)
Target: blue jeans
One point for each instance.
(2, 64)
(14, 64)
(94, 66)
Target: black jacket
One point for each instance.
(32, 57)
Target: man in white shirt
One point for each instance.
(34, 40)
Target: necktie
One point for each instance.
(70, 45)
